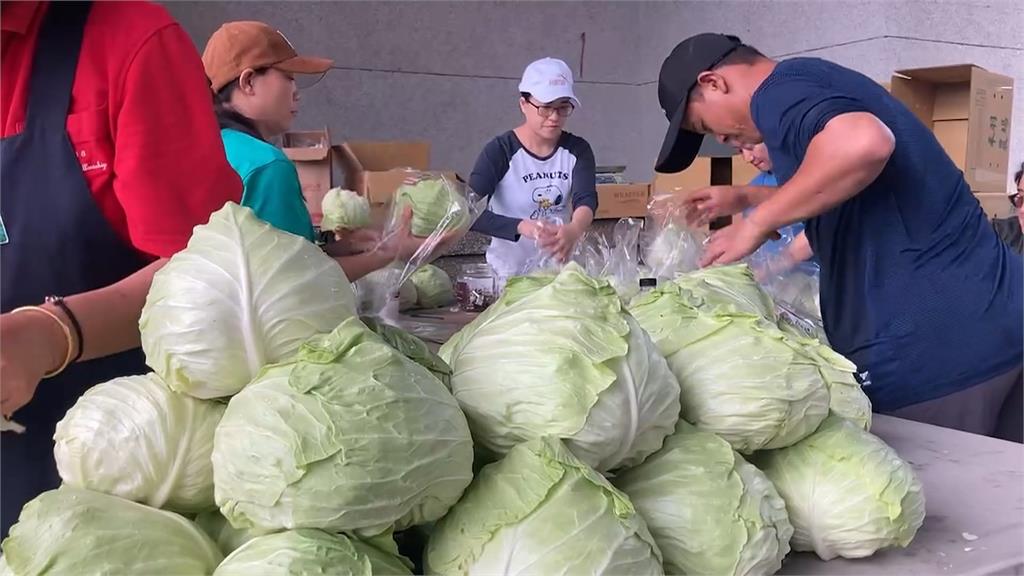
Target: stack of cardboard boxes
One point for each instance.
(374, 169)
(968, 109)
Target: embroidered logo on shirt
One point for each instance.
(93, 166)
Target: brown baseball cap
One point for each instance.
(236, 46)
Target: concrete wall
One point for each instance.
(447, 70)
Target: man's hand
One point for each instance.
(33, 344)
(704, 205)
(734, 243)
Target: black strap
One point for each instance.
(55, 61)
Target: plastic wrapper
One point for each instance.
(543, 261)
(429, 213)
(794, 286)
(11, 426)
(616, 259)
(668, 246)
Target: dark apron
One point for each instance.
(59, 243)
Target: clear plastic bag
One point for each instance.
(543, 261)
(428, 214)
(793, 286)
(668, 246)
(616, 260)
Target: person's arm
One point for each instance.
(491, 166)
(35, 345)
(799, 250)
(583, 193)
(842, 159)
(109, 316)
(584, 188)
(162, 203)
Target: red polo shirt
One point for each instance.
(141, 119)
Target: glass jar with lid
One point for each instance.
(475, 287)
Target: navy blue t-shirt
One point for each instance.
(916, 288)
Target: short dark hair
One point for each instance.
(226, 115)
(222, 97)
(525, 95)
(1019, 174)
(742, 54)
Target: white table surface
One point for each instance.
(972, 484)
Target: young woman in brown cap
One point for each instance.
(252, 68)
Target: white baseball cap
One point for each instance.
(548, 79)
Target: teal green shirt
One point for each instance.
(271, 183)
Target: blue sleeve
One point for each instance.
(273, 192)
(491, 166)
(793, 107)
(764, 179)
(584, 177)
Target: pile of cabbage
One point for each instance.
(276, 429)
(564, 431)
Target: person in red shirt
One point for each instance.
(110, 156)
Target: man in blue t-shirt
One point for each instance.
(916, 288)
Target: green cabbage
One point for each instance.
(309, 551)
(241, 295)
(134, 438)
(433, 287)
(848, 494)
(741, 376)
(227, 537)
(542, 511)
(412, 348)
(846, 397)
(344, 210)
(709, 510)
(349, 435)
(437, 205)
(726, 290)
(559, 356)
(75, 531)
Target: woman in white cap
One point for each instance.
(540, 179)
(252, 68)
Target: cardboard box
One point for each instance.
(995, 205)
(698, 175)
(969, 109)
(742, 171)
(377, 169)
(622, 200)
(703, 172)
(312, 156)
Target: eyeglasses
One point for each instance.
(545, 111)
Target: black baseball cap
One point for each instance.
(678, 76)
